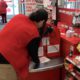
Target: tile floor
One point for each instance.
(2, 25)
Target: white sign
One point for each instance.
(40, 51)
(54, 13)
(53, 48)
(46, 3)
(30, 6)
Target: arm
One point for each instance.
(33, 51)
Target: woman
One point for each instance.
(3, 11)
(19, 41)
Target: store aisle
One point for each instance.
(1, 25)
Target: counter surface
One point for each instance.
(72, 40)
(53, 63)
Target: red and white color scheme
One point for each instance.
(30, 6)
(50, 45)
(53, 46)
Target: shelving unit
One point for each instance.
(68, 59)
(72, 69)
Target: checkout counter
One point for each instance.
(50, 70)
(47, 71)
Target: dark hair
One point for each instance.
(39, 15)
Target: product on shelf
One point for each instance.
(72, 67)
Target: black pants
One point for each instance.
(3, 60)
(4, 19)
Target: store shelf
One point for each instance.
(75, 75)
(74, 70)
(68, 59)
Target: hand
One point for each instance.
(48, 30)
